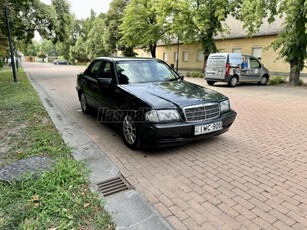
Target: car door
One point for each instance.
(245, 73)
(106, 90)
(89, 82)
(252, 73)
(255, 67)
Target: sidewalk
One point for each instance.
(129, 209)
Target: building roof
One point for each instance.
(236, 29)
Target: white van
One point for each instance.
(226, 67)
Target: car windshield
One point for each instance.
(142, 71)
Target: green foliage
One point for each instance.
(140, 25)
(301, 82)
(195, 74)
(31, 49)
(89, 34)
(194, 21)
(292, 41)
(278, 79)
(112, 35)
(59, 199)
(95, 43)
(78, 51)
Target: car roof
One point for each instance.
(124, 58)
(225, 54)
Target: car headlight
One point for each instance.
(166, 115)
(225, 106)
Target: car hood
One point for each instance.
(172, 94)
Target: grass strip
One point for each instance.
(59, 199)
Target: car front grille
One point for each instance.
(201, 112)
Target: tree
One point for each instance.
(78, 51)
(292, 41)
(41, 54)
(194, 21)
(95, 43)
(62, 20)
(30, 16)
(31, 49)
(140, 25)
(112, 35)
(27, 16)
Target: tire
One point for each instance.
(264, 80)
(130, 133)
(233, 81)
(210, 82)
(84, 106)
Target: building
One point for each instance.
(191, 57)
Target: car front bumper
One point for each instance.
(170, 134)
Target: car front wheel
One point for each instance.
(131, 133)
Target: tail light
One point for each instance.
(227, 69)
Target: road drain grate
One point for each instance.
(114, 185)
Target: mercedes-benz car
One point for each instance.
(153, 104)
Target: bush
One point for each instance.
(194, 74)
(276, 80)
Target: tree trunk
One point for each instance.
(294, 73)
(153, 50)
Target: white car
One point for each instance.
(226, 67)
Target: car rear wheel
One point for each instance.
(263, 80)
(233, 81)
(83, 103)
(131, 133)
(210, 82)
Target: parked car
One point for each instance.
(152, 103)
(60, 62)
(226, 67)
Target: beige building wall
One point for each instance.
(191, 59)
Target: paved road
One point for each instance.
(252, 177)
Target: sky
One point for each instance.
(82, 8)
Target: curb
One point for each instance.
(129, 209)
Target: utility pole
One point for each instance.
(177, 59)
(10, 42)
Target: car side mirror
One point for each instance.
(182, 77)
(104, 81)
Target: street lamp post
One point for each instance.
(10, 43)
(177, 59)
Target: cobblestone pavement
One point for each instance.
(252, 177)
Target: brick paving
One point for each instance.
(252, 177)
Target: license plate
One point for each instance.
(202, 129)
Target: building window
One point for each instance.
(237, 50)
(185, 56)
(164, 56)
(200, 56)
(175, 56)
(257, 51)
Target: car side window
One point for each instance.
(254, 63)
(92, 70)
(105, 70)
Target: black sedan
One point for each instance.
(152, 103)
